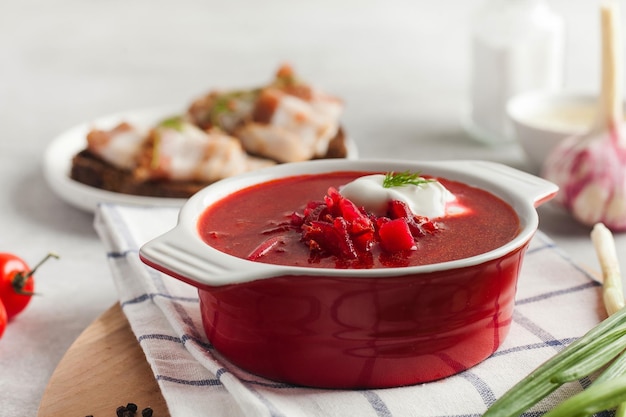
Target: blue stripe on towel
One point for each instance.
(557, 293)
(197, 383)
(145, 297)
(156, 336)
(480, 386)
(377, 404)
(541, 345)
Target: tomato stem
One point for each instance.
(20, 279)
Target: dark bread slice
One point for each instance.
(89, 169)
(337, 147)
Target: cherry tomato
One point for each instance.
(17, 283)
(3, 318)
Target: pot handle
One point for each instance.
(528, 186)
(187, 258)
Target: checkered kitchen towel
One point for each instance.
(557, 302)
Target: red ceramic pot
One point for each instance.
(338, 328)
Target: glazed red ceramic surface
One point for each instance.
(347, 328)
(360, 332)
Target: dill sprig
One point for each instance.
(174, 122)
(227, 103)
(400, 179)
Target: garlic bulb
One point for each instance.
(590, 169)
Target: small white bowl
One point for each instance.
(542, 119)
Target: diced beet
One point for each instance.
(333, 202)
(336, 226)
(329, 237)
(357, 222)
(297, 219)
(429, 226)
(419, 225)
(346, 244)
(395, 235)
(415, 227)
(349, 210)
(364, 242)
(265, 247)
(399, 209)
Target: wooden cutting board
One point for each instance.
(103, 369)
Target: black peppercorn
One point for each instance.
(130, 410)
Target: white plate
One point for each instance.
(57, 162)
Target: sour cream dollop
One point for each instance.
(428, 199)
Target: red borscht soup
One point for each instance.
(257, 223)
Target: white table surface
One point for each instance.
(402, 68)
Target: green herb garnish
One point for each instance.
(227, 103)
(602, 345)
(174, 122)
(400, 179)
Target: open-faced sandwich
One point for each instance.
(221, 134)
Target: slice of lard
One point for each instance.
(119, 146)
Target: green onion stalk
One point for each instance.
(603, 347)
(600, 346)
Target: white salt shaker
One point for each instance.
(517, 46)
